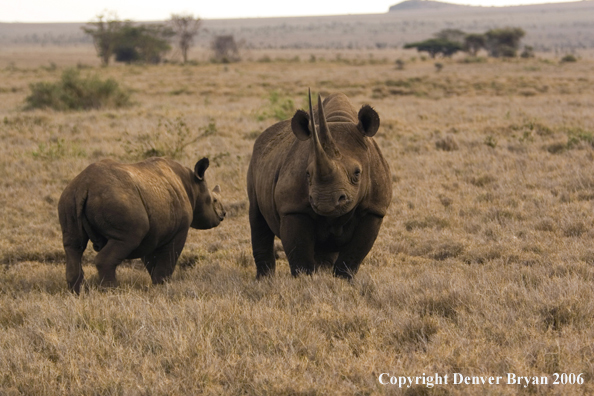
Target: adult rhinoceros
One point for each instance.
(141, 210)
(322, 189)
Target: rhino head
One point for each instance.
(209, 210)
(336, 173)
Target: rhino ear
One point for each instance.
(369, 121)
(300, 125)
(200, 168)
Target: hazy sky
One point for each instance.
(147, 10)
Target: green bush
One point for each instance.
(279, 107)
(58, 148)
(169, 139)
(568, 58)
(74, 92)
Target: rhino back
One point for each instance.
(146, 198)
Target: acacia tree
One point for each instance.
(185, 26)
(105, 32)
(474, 42)
(436, 46)
(504, 42)
(142, 43)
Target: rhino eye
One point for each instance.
(356, 175)
(307, 175)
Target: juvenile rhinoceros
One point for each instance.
(141, 210)
(322, 189)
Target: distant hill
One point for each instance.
(549, 27)
(424, 5)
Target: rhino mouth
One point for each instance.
(334, 211)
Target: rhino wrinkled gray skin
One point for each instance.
(321, 184)
(141, 210)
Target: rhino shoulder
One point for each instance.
(275, 140)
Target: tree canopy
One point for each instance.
(436, 46)
(104, 31)
(127, 41)
(504, 42)
(143, 43)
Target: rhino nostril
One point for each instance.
(342, 199)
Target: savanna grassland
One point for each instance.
(484, 265)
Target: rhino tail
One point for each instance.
(85, 227)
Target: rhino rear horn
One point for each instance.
(200, 168)
(369, 121)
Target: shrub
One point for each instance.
(568, 58)
(279, 108)
(58, 148)
(225, 49)
(74, 92)
(447, 144)
(169, 139)
(473, 59)
(528, 52)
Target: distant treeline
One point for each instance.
(503, 43)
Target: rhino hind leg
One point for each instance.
(74, 271)
(262, 243)
(75, 240)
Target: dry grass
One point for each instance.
(484, 264)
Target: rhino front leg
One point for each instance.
(297, 234)
(161, 263)
(350, 258)
(262, 243)
(325, 260)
